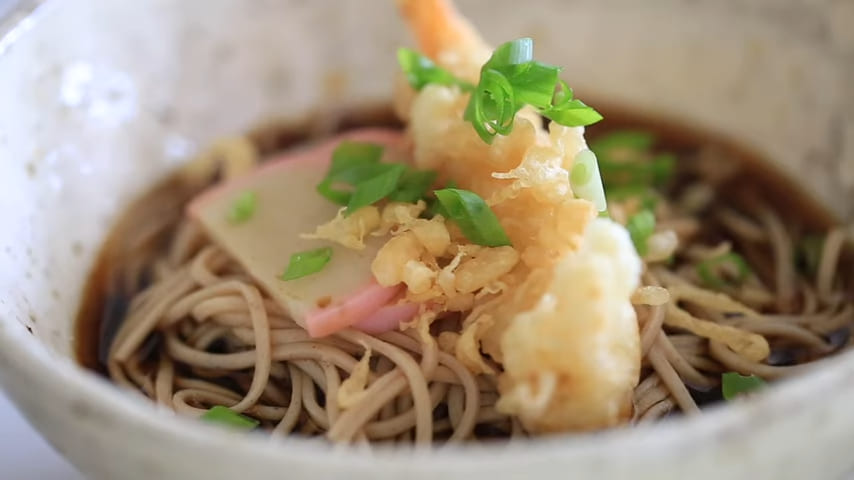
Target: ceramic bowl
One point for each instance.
(101, 99)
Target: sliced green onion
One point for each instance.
(413, 186)
(492, 107)
(639, 171)
(709, 270)
(421, 71)
(513, 53)
(349, 154)
(511, 79)
(637, 140)
(663, 166)
(376, 188)
(230, 418)
(361, 173)
(648, 197)
(641, 226)
(351, 163)
(574, 113)
(349, 177)
(337, 196)
(305, 263)
(434, 206)
(243, 207)
(585, 180)
(533, 83)
(626, 162)
(733, 384)
(474, 217)
(808, 254)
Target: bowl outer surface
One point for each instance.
(102, 99)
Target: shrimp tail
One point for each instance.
(445, 35)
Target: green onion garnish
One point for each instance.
(648, 197)
(808, 253)
(377, 187)
(586, 181)
(306, 263)
(492, 106)
(623, 140)
(626, 161)
(569, 111)
(434, 206)
(420, 71)
(350, 177)
(339, 197)
(638, 170)
(352, 162)
(733, 384)
(243, 207)
(641, 225)
(349, 154)
(474, 217)
(226, 416)
(709, 270)
(511, 79)
(356, 178)
(413, 186)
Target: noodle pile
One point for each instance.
(352, 385)
(199, 332)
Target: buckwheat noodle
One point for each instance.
(199, 332)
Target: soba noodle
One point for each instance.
(200, 332)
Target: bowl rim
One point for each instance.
(29, 358)
(22, 354)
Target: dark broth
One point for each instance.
(105, 297)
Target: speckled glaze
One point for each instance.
(101, 98)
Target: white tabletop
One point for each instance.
(24, 455)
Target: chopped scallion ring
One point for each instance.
(641, 226)
(492, 107)
(339, 197)
(377, 187)
(352, 162)
(243, 208)
(809, 253)
(632, 140)
(228, 417)
(513, 53)
(349, 154)
(421, 71)
(305, 263)
(474, 217)
(586, 181)
(733, 384)
(627, 164)
(413, 186)
(509, 80)
(709, 270)
(573, 113)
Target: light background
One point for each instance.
(24, 455)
